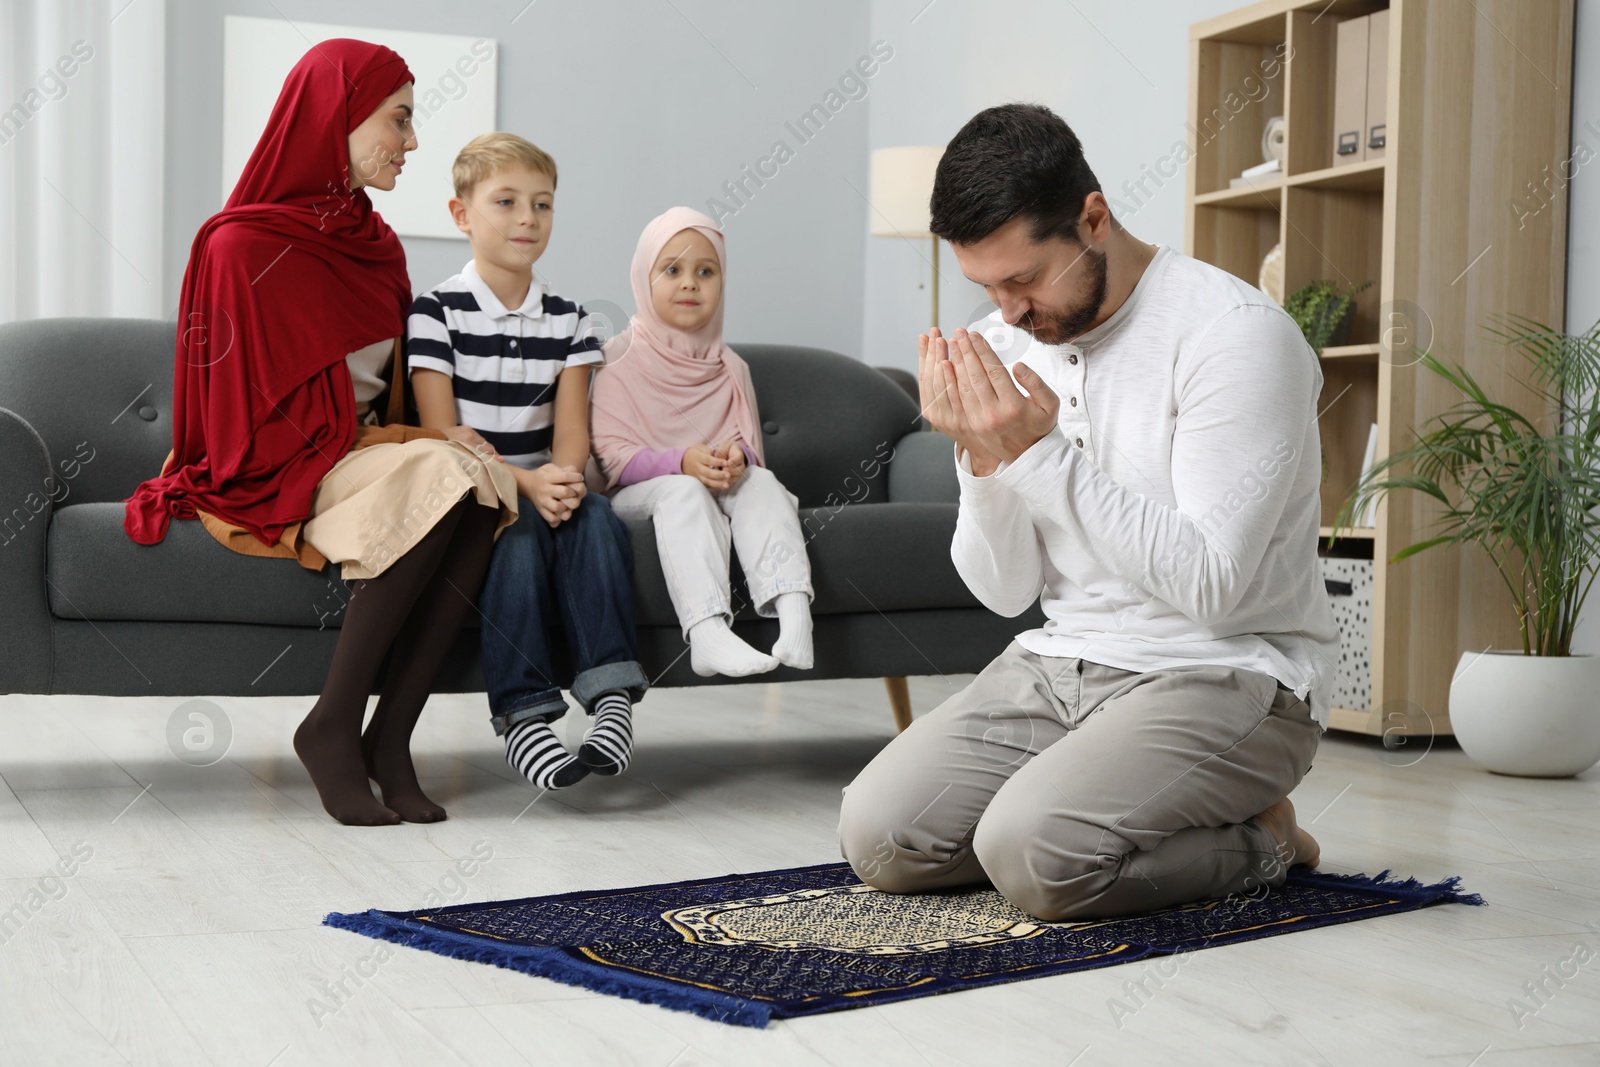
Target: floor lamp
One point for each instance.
(902, 185)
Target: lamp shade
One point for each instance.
(902, 185)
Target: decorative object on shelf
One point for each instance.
(1273, 148)
(1275, 141)
(1349, 585)
(1526, 489)
(1323, 313)
(902, 185)
(1271, 280)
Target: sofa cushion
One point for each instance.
(924, 470)
(864, 557)
(829, 423)
(97, 572)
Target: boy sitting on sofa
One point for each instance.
(498, 361)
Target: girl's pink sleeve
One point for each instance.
(649, 463)
(750, 458)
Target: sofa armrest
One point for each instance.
(26, 486)
(923, 470)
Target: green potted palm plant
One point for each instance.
(1523, 487)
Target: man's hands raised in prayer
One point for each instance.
(968, 396)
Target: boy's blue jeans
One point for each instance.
(580, 572)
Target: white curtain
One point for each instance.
(82, 139)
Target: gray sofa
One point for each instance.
(85, 416)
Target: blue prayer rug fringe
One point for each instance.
(1445, 892)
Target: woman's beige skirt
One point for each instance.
(379, 501)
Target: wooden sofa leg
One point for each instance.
(899, 700)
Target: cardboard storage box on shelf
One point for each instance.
(1350, 91)
(1361, 88)
(1377, 85)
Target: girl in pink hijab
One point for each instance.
(677, 439)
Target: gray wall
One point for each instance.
(641, 112)
(1583, 231)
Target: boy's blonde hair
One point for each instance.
(491, 152)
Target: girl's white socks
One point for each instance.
(794, 631)
(715, 649)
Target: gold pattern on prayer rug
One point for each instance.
(859, 919)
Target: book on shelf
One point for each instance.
(1365, 516)
(1258, 174)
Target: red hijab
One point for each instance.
(295, 272)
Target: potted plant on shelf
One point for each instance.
(1323, 313)
(1524, 488)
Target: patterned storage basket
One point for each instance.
(1349, 583)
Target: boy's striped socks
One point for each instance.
(540, 757)
(608, 745)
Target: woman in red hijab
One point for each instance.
(292, 301)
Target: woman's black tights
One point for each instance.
(416, 607)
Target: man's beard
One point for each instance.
(1058, 327)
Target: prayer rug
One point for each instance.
(748, 948)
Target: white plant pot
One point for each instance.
(1534, 716)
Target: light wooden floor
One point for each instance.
(190, 933)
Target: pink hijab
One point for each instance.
(665, 388)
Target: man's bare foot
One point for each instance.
(1298, 848)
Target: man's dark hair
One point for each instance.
(1015, 159)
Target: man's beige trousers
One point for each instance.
(1084, 791)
